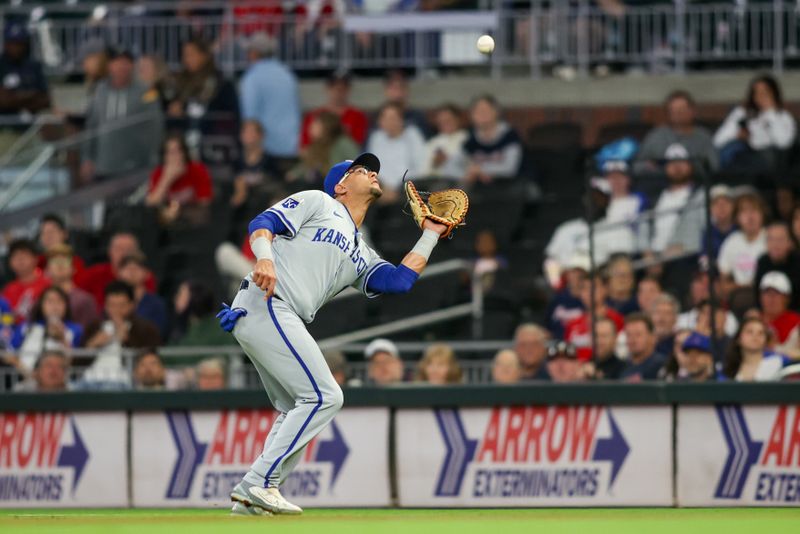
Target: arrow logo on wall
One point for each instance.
(334, 451)
(460, 452)
(743, 452)
(613, 449)
(190, 455)
(75, 456)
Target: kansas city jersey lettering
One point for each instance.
(320, 254)
(337, 239)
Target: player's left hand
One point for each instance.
(428, 224)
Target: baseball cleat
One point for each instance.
(269, 499)
(242, 509)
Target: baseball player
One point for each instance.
(308, 249)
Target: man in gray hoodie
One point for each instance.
(128, 147)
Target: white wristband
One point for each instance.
(425, 245)
(262, 248)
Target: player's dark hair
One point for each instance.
(25, 245)
(118, 287)
(53, 218)
(639, 317)
(37, 314)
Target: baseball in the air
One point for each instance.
(485, 44)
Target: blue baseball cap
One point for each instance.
(697, 341)
(337, 172)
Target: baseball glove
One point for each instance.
(448, 207)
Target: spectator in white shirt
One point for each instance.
(749, 358)
(624, 205)
(738, 256)
(675, 201)
(572, 237)
(445, 157)
(755, 128)
(399, 147)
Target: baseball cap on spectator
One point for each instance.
(579, 261)
(337, 172)
(16, 32)
(600, 184)
(742, 190)
(381, 345)
(778, 281)
(561, 349)
(676, 152)
(697, 341)
(721, 191)
(615, 166)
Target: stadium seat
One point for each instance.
(614, 131)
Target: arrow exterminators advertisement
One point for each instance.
(56, 459)
(185, 458)
(535, 456)
(738, 455)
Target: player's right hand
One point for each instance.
(264, 277)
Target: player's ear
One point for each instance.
(340, 189)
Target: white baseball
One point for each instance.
(485, 44)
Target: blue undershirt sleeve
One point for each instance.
(268, 221)
(390, 279)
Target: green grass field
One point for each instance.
(330, 521)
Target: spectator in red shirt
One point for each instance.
(776, 293)
(579, 330)
(354, 121)
(178, 182)
(53, 234)
(29, 282)
(95, 278)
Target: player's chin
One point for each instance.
(375, 191)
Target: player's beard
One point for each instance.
(375, 192)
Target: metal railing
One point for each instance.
(239, 373)
(669, 36)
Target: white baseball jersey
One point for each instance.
(322, 254)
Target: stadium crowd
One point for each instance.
(615, 307)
